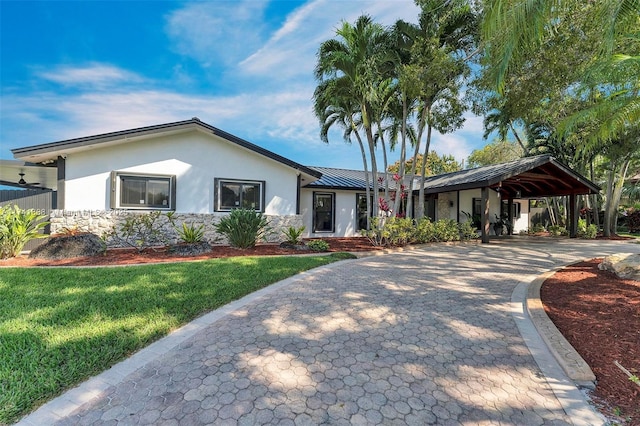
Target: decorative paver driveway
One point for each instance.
(420, 337)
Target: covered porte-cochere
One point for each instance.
(527, 178)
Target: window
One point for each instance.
(142, 191)
(361, 211)
(323, 212)
(476, 213)
(236, 194)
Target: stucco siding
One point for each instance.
(345, 213)
(195, 158)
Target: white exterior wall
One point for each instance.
(345, 213)
(466, 205)
(195, 158)
(521, 223)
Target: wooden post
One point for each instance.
(484, 216)
(573, 217)
(510, 214)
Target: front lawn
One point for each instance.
(59, 326)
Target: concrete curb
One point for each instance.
(574, 366)
(550, 361)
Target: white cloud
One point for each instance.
(90, 74)
(291, 49)
(218, 31)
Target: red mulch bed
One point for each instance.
(599, 314)
(132, 256)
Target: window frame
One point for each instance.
(116, 190)
(218, 185)
(332, 195)
(361, 195)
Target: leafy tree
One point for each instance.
(438, 58)
(436, 164)
(498, 151)
(584, 102)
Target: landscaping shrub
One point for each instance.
(292, 235)
(395, 231)
(243, 228)
(17, 227)
(557, 230)
(188, 233)
(467, 230)
(584, 231)
(318, 245)
(632, 220)
(424, 232)
(140, 231)
(391, 231)
(446, 230)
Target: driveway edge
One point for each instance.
(571, 398)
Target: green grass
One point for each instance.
(60, 326)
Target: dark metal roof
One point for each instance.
(38, 152)
(346, 179)
(528, 177)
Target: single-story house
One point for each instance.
(198, 172)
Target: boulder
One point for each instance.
(67, 246)
(624, 265)
(190, 249)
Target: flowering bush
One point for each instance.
(632, 220)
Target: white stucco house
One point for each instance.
(200, 172)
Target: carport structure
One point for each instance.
(526, 178)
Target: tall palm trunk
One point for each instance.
(423, 170)
(403, 159)
(366, 175)
(414, 166)
(366, 123)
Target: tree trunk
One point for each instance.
(616, 193)
(386, 165)
(423, 171)
(366, 123)
(596, 207)
(606, 229)
(403, 159)
(366, 177)
(522, 145)
(414, 166)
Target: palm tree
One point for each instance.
(333, 105)
(512, 29)
(439, 47)
(359, 62)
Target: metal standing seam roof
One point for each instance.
(536, 176)
(333, 178)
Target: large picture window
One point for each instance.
(142, 191)
(237, 194)
(324, 212)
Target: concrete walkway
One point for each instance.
(428, 336)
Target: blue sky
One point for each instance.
(74, 68)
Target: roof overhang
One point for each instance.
(44, 176)
(49, 152)
(532, 177)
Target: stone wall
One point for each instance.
(442, 207)
(104, 222)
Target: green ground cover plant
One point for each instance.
(59, 326)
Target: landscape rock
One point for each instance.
(68, 246)
(624, 265)
(194, 249)
(301, 247)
